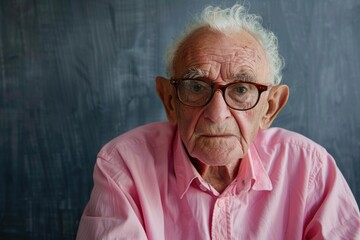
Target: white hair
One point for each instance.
(230, 20)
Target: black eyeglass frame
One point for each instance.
(260, 87)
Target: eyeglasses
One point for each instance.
(240, 96)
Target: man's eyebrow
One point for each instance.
(244, 77)
(194, 73)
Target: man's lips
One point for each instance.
(216, 132)
(222, 135)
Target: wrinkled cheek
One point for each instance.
(248, 123)
(186, 122)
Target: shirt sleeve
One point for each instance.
(112, 211)
(332, 210)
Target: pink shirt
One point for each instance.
(287, 187)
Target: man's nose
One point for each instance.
(217, 110)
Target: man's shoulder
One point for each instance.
(150, 135)
(281, 147)
(276, 136)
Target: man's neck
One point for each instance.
(218, 176)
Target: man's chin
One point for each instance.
(211, 157)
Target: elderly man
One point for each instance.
(216, 170)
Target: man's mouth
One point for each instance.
(217, 135)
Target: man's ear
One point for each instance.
(277, 99)
(165, 92)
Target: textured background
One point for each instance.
(74, 74)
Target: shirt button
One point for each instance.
(221, 203)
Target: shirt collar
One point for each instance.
(252, 172)
(185, 171)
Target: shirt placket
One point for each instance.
(221, 219)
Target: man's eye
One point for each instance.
(241, 89)
(196, 87)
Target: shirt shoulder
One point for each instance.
(140, 140)
(293, 151)
(274, 137)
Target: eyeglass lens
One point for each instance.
(238, 95)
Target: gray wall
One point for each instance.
(74, 74)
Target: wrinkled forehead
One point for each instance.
(221, 57)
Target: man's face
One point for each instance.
(215, 134)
